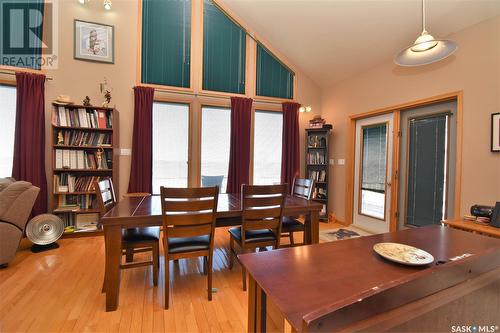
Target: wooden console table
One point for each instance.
(473, 227)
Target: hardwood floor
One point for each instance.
(60, 291)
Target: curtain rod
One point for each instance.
(209, 95)
(47, 78)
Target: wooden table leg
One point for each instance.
(113, 239)
(257, 310)
(312, 228)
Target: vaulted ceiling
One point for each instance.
(331, 40)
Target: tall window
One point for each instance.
(166, 42)
(170, 145)
(267, 147)
(224, 45)
(215, 136)
(8, 116)
(273, 78)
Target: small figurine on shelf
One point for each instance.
(106, 91)
(86, 101)
(98, 155)
(60, 138)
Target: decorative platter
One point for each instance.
(403, 254)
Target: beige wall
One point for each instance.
(80, 78)
(474, 69)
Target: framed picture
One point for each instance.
(495, 132)
(94, 42)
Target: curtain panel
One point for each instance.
(290, 155)
(239, 151)
(29, 141)
(141, 169)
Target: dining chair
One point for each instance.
(188, 216)
(302, 188)
(262, 212)
(134, 240)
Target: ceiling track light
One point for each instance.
(107, 4)
(426, 49)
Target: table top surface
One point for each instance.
(473, 226)
(305, 279)
(229, 205)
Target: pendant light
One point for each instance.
(426, 48)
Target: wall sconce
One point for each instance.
(303, 109)
(83, 2)
(107, 4)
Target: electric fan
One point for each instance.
(44, 230)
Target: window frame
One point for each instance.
(139, 54)
(190, 175)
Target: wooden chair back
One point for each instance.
(262, 207)
(303, 188)
(105, 193)
(189, 212)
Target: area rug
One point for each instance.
(331, 235)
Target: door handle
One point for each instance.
(389, 184)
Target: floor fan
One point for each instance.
(44, 230)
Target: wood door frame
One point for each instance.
(396, 111)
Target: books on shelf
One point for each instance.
(316, 158)
(82, 117)
(83, 160)
(318, 175)
(87, 222)
(67, 182)
(319, 193)
(74, 202)
(82, 138)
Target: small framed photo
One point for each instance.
(495, 132)
(94, 42)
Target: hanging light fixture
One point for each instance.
(107, 4)
(426, 48)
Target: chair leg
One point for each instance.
(209, 266)
(129, 255)
(103, 290)
(231, 253)
(166, 282)
(156, 262)
(205, 263)
(292, 243)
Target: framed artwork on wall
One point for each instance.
(94, 42)
(495, 132)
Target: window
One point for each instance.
(166, 42)
(268, 128)
(215, 137)
(170, 145)
(224, 45)
(373, 170)
(8, 116)
(273, 78)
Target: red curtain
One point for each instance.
(290, 156)
(239, 151)
(141, 169)
(29, 141)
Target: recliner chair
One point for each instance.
(16, 202)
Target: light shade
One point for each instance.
(409, 57)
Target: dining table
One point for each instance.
(145, 211)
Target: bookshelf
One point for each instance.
(317, 144)
(84, 142)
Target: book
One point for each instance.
(59, 159)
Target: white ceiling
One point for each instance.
(331, 40)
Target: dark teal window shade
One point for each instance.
(166, 42)
(273, 78)
(21, 27)
(374, 158)
(224, 47)
(426, 170)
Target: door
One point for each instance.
(372, 173)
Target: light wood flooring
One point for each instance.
(60, 291)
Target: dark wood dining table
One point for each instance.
(345, 286)
(131, 212)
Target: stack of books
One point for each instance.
(316, 122)
(80, 159)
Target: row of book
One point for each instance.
(319, 193)
(75, 202)
(67, 182)
(318, 175)
(81, 222)
(80, 159)
(83, 138)
(88, 118)
(316, 158)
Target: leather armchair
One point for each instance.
(16, 202)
